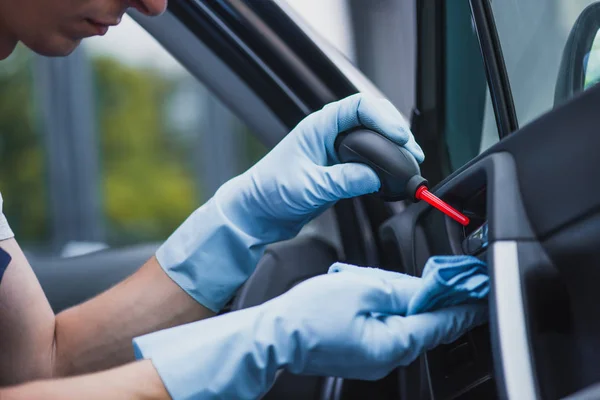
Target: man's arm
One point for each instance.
(34, 344)
(131, 382)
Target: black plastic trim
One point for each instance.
(270, 48)
(505, 211)
(561, 143)
(495, 69)
(550, 180)
(205, 25)
(308, 66)
(549, 322)
(268, 51)
(427, 118)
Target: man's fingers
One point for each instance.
(363, 110)
(381, 116)
(343, 181)
(392, 296)
(421, 332)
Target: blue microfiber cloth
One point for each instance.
(446, 281)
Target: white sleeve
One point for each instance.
(5, 231)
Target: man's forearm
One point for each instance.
(132, 382)
(96, 335)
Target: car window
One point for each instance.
(360, 31)
(330, 20)
(469, 123)
(140, 146)
(533, 35)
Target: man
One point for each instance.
(348, 324)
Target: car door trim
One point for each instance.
(517, 369)
(350, 72)
(209, 69)
(495, 68)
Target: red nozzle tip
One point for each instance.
(425, 195)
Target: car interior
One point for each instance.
(511, 145)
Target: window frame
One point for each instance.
(427, 120)
(493, 60)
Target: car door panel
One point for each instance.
(557, 161)
(542, 207)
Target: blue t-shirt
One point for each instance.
(4, 261)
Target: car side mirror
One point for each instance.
(580, 65)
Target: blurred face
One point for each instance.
(56, 27)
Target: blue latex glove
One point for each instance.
(449, 280)
(349, 324)
(216, 249)
(446, 281)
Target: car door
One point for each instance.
(512, 73)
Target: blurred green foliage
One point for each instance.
(21, 152)
(148, 187)
(147, 181)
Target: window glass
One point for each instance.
(361, 31)
(469, 125)
(533, 34)
(166, 144)
(329, 19)
(124, 160)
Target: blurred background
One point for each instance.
(117, 144)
